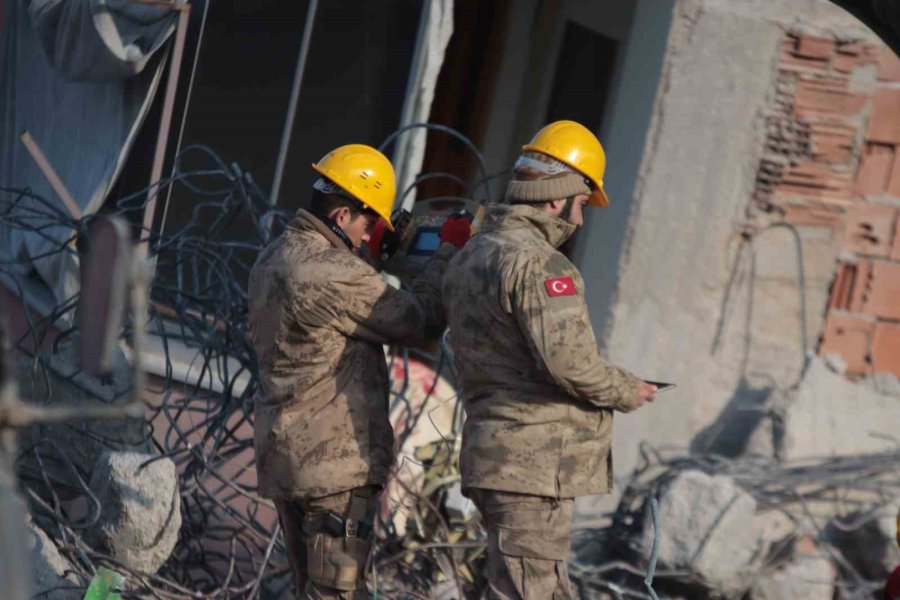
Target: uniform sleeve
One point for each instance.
(372, 310)
(547, 298)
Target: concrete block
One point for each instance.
(703, 519)
(827, 415)
(52, 580)
(883, 383)
(807, 576)
(141, 509)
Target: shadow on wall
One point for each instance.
(749, 424)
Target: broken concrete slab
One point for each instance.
(828, 415)
(825, 415)
(704, 518)
(53, 579)
(885, 384)
(809, 575)
(141, 508)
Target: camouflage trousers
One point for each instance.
(528, 545)
(328, 566)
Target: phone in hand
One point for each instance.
(661, 386)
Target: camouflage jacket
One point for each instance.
(539, 399)
(319, 316)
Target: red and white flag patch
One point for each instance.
(560, 286)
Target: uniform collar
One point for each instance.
(306, 221)
(522, 216)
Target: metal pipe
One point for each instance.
(292, 106)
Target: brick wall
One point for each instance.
(832, 160)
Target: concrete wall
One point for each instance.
(679, 237)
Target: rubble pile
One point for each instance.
(169, 501)
(164, 500)
(818, 522)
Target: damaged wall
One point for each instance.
(709, 297)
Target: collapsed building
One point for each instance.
(751, 254)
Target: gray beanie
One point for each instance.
(540, 178)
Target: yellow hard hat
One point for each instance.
(573, 144)
(364, 173)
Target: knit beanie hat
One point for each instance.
(541, 178)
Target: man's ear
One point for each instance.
(556, 206)
(341, 216)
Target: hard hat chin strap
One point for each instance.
(334, 227)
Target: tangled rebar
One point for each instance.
(817, 497)
(229, 544)
(201, 417)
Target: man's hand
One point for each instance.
(383, 242)
(457, 229)
(646, 393)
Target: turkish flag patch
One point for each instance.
(560, 286)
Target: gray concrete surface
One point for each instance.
(658, 263)
(805, 577)
(141, 502)
(704, 518)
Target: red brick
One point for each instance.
(895, 250)
(831, 143)
(811, 216)
(884, 124)
(870, 52)
(849, 48)
(893, 188)
(848, 56)
(868, 229)
(888, 65)
(842, 287)
(826, 97)
(814, 47)
(849, 338)
(860, 287)
(794, 64)
(874, 171)
(876, 291)
(790, 61)
(816, 181)
(886, 348)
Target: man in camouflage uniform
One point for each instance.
(539, 398)
(318, 317)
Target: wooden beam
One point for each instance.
(50, 174)
(165, 122)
